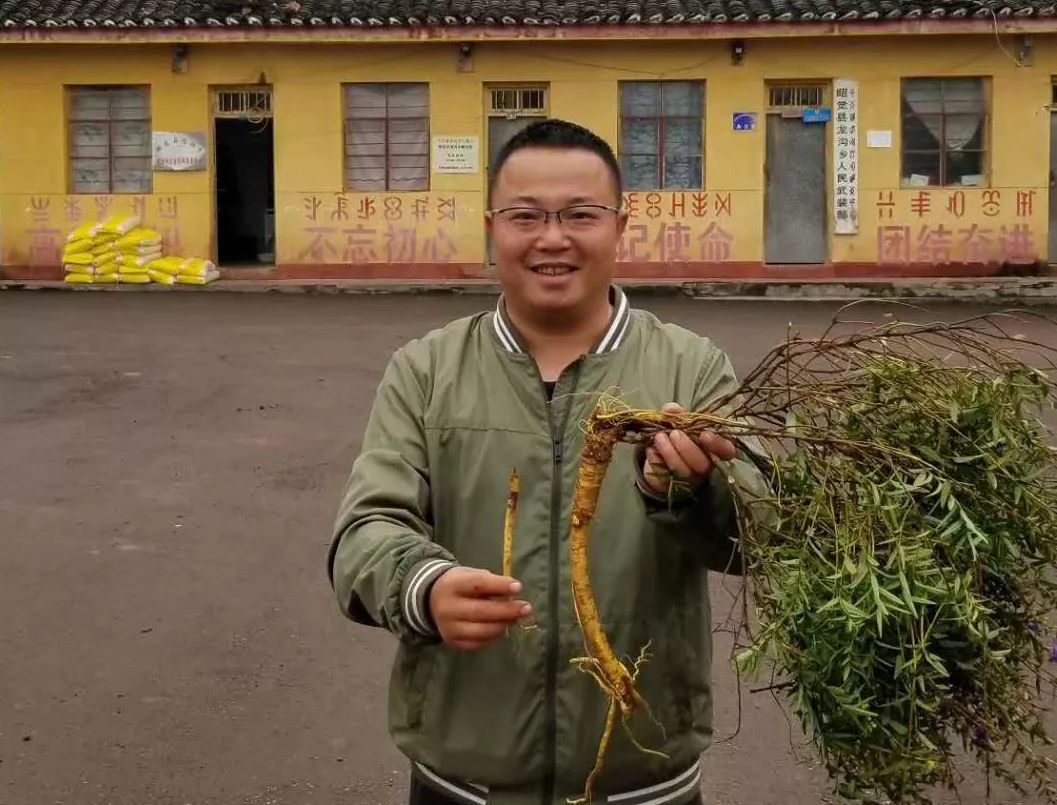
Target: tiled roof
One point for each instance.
(453, 13)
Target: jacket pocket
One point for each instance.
(680, 673)
(411, 677)
(481, 719)
(690, 672)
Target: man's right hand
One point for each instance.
(471, 608)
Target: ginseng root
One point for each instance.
(601, 662)
(508, 524)
(609, 425)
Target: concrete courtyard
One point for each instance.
(169, 469)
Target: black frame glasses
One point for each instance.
(533, 223)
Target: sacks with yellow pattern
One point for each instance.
(139, 261)
(139, 238)
(90, 262)
(153, 252)
(197, 267)
(204, 279)
(92, 279)
(134, 278)
(140, 264)
(121, 250)
(97, 245)
(72, 268)
(120, 224)
(83, 232)
(170, 265)
(78, 247)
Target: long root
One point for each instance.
(602, 662)
(592, 667)
(509, 522)
(600, 757)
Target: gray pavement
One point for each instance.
(1020, 290)
(170, 467)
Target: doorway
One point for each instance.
(245, 178)
(795, 174)
(500, 130)
(510, 110)
(1052, 224)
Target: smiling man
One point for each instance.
(485, 710)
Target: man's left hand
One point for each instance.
(675, 457)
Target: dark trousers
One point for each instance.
(424, 795)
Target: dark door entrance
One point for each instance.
(245, 189)
(795, 200)
(1053, 187)
(500, 130)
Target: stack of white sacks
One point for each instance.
(119, 250)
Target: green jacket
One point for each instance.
(515, 724)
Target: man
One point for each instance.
(485, 710)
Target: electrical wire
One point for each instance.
(998, 39)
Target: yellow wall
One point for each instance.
(317, 223)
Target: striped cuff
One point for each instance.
(417, 585)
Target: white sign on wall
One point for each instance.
(456, 154)
(879, 139)
(179, 151)
(845, 156)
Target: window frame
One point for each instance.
(347, 117)
(942, 149)
(111, 123)
(662, 120)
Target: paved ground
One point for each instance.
(170, 466)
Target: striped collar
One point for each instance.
(614, 335)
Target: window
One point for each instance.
(243, 103)
(387, 136)
(661, 134)
(796, 96)
(518, 100)
(944, 132)
(110, 140)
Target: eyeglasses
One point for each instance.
(579, 217)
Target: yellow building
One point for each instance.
(335, 139)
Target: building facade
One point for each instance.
(330, 139)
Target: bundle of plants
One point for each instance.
(899, 572)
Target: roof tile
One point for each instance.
(455, 13)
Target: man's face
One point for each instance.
(546, 267)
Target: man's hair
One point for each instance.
(557, 134)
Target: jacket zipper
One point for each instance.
(550, 746)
